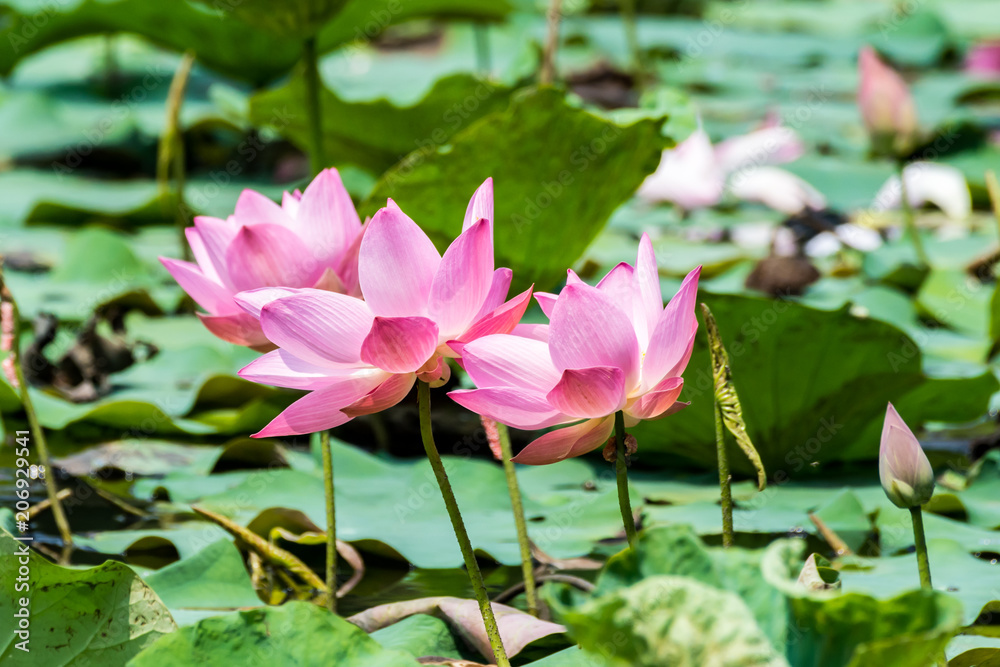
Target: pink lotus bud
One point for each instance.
(493, 437)
(6, 326)
(906, 474)
(983, 59)
(11, 372)
(887, 107)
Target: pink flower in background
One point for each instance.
(771, 144)
(356, 356)
(310, 240)
(906, 474)
(887, 108)
(608, 348)
(696, 175)
(688, 175)
(983, 59)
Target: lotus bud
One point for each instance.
(7, 333)
(906, 474)
(887, 108)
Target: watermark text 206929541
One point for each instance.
(21, 580)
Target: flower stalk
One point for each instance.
(464, 543)
(547, 74)
(499, 434)
(11, 325)
(923, 563)
(170, 154)
(632, 39)
(310, 57)
(331, 521)
(909, 220)
(728, 414)
(725, 479)
(621, 472)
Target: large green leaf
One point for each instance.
(671, 620)
(376, 135)
(103, 615)
(551, 164)
(675, 550)
(297, 633)
(814, 386)
(851, 629)
(227, 45)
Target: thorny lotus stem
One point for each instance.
(554, 15)
(478, 586)
(171, 149)
(111, 73)
(923, 564)
(632, 38)
(527, 566)
(909, 221)
(331, 522)
(36, 428)
(271, 553)
(993, 189)
(311, 58)
(621, 472)
(725, 479)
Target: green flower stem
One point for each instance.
(909, 220)
(37, 434)
(527, 567)
(632, 38)
(309, 54)
(725, 479)
(621, 472)
(484, 56)
(331, 522)
(478, 586)
(547, 74)
(923, 564)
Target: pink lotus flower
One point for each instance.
(983, 59)
(310, 240)
(887, 108)
(906, 474)
(356, 356)
(608, 348)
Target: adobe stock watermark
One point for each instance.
(581, 158)
(22, 578)
(32, 23)
(120, 109)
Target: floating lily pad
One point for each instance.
(297, 633)
(105, 614)
(211, 582)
